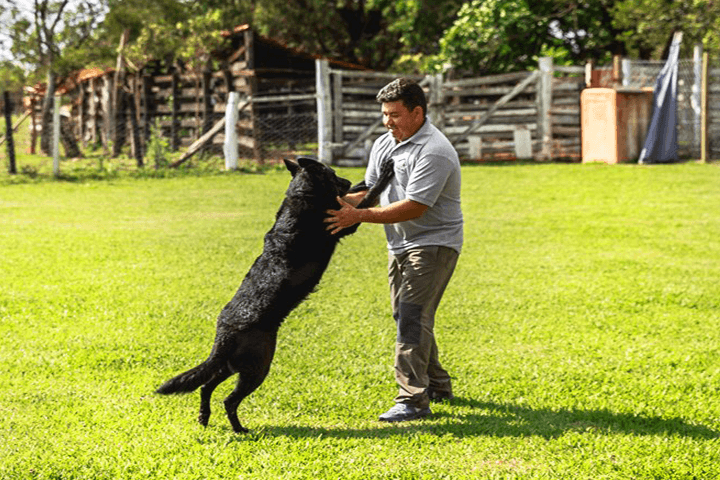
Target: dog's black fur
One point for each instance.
(297, 251)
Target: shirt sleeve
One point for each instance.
(371, 170)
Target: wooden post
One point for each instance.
(107, 114)
(12, 168)
(324, 111)
(33, 126)
(146, 102)
(617, 70)
(337, 108)
(135, 144)
(207, 101)
(704, 124)
(230, 148)
(80, 127)
(475, 142)
(252, 81)
(56, 136)
(119, 133)
(544, 103)
(588, 74)
(174, 122)
(625, 71)
(92, 112)
(436, 100)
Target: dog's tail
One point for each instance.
(193, 378)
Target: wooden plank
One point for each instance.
(471, 115)
(485, 92)
(284, 98)
(371, 91)
(509, 96)
(17, 124)
(570, 69)
(486, 80)
(372, 75)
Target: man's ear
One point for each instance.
(292, 166)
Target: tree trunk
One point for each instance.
(67, 136)
(47, 113)
(12, 169)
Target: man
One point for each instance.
(424, 228)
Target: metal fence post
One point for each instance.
(695, 99)
(56, 136)
(324, 111)
(704, 123)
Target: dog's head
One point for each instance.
(312, 178)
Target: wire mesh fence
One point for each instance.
(286, 129)
(643, 73)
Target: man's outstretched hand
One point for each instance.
(346, 217)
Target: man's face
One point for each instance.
(402, 122)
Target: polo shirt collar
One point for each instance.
(420, 135)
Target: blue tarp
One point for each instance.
(661, 142)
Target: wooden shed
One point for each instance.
(278, 111)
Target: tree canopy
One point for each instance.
(476, 36)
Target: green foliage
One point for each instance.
(647, 26)
(581, 327)
(185, 37)
(48, 35)
(492, 36)
(12, 76)
(158, 148)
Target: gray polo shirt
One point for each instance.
(427, 170)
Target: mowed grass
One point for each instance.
(582, 329)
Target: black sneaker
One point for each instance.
(402, 412)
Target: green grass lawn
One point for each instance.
(582, 329)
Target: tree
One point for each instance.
(40, 35)
(493, 36)
(648, 25)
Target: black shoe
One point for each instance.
(402, 412)
(436, 396)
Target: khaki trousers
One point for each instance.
(418, 278)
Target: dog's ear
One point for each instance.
(307, 162)
(292, 166)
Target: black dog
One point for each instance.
(296, 253)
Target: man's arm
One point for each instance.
(348, 215)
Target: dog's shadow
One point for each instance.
(492, 419)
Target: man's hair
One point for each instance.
(407, 91)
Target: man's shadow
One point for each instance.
(492, 419)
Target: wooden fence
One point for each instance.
(516, 115)
(324, 109)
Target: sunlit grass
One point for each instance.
(582, 329)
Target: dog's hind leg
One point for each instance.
(250, 379)
(252, 361)
(206, 393)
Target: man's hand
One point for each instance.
(346, 217)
